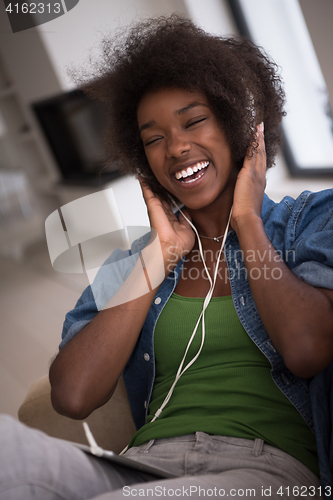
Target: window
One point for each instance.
(279, 27)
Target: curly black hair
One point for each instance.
(240, 83)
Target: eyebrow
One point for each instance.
(147, 125)
(190, 106)
(178, 112)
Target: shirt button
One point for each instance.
(158, 300)
(242, 301)
(146, 356)
(145, 404)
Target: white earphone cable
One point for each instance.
(208, 297)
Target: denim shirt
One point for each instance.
(301, 231)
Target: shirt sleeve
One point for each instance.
(311, 254)
(110, 277)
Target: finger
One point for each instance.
(184, 213)
(147, 193)
(250, 157)
(261, 156)
(255, 160)
(166, 204)
(256, 153)
(155, 205)
(142, 181)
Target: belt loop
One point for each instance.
(145, 448)
(257, 447)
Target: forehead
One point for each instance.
(173, 101)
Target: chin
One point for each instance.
(196, 204)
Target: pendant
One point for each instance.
(217, 240)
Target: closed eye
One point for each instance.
(195, 122)
(152, 141)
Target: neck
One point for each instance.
(211, 221)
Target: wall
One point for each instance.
(70, 38)
(27, 62)
(318, 16)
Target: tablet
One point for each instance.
(124, 461)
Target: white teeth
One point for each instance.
(191, 170)
(193, 180)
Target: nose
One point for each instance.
(177, 145)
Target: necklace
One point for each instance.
(216, 238)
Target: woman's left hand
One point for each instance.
(250, 184)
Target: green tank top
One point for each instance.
(227, 391)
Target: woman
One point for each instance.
(198, 117)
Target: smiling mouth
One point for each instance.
(193, 173)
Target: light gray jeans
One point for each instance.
(35, 466)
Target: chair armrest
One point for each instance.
(112, 424)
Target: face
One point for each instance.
(185, 147)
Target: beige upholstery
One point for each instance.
(112, 424)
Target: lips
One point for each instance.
(191, 173)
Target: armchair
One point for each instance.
(112, 424)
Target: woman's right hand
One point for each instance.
(85, 372)
(175, 235)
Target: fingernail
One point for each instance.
(261, 127)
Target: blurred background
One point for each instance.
(51, 149)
